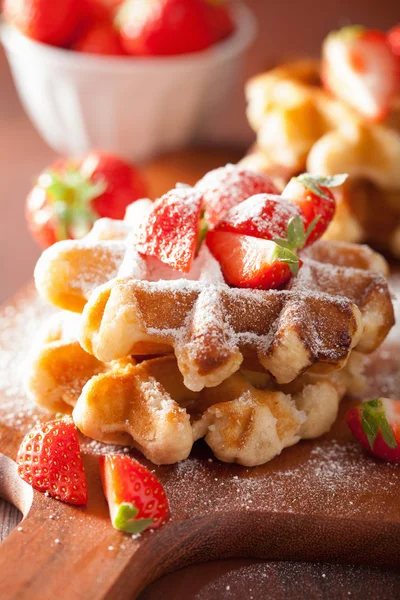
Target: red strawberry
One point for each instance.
(316, 202)
(163, 27)
(227, 186)
(100, 38)
(251, 262)
(48, 22)
(100, 10)
(171, 231)
(49, 460)
(376, 425)
(360, 69)
(393, 38)
(70, 195)
(136, 499)
(263, 215)
(220, 19)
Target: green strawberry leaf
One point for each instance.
(285, 255)
(125, 519)
(71, 195)
(296, 235)
(314, 182)
(373, 420)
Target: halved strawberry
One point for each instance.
(393, 37)
(251, 262)
(316, 202)
(376, 425)
(263, 215)
(49, 460)
(227, 186)
(136, 499)
(171, 230)
(359, 68)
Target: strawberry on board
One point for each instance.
(100, 38)
(49, 21)
(172, 229)
(250, 262)
(376, 425)
(163, 27)
(228, 186)
(220, 19)
(312, 195)
(49, 460)
(359, 68)
(136, 499)
(70, 195)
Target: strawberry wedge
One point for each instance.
(136, 499)
(171, 231)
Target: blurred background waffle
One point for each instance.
(300, 126)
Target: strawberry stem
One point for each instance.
(373, 420)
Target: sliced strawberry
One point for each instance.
(316, 202)
(228, 186)
(49, 460)
(263, 215)
(252, 262)
(136, 499)
(376, 425)
(171, 230)
(360, 69)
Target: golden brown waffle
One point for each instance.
(148, 406)
(338, 302)
(301, 127)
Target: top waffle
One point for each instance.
(138, 306)
(300, 126)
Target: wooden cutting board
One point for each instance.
(321, 500)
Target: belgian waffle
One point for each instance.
(152, 409)
(300, 127)
(136, 306)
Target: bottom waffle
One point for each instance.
(247, 419)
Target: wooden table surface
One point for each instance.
(22, 154)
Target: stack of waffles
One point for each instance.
(149, 357)
(302, 126)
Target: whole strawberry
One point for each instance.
(314, 199)
(376, 425)
(220, 19)
(70, 195)
(51, 22)
(136, 499)
(100, 38)
(49, 460)
(163, 27)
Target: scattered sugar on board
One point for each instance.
(333, 471)
(253, 580)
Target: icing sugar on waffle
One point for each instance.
(134, 305)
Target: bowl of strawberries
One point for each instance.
(131, 77)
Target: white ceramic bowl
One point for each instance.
(133, 106)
